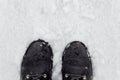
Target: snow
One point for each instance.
(94, 22)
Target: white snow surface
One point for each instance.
(94, 22)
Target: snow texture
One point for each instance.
(94, 22)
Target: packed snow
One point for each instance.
(94, 22)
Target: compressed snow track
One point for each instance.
(94, 22)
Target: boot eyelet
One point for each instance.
(84, 77)
(45, 75)
(86, 67)
(66, 75)
(27, 76)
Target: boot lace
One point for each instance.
(36, 77)
(75, 77)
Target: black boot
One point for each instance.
(76, 62)
(37, 62)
